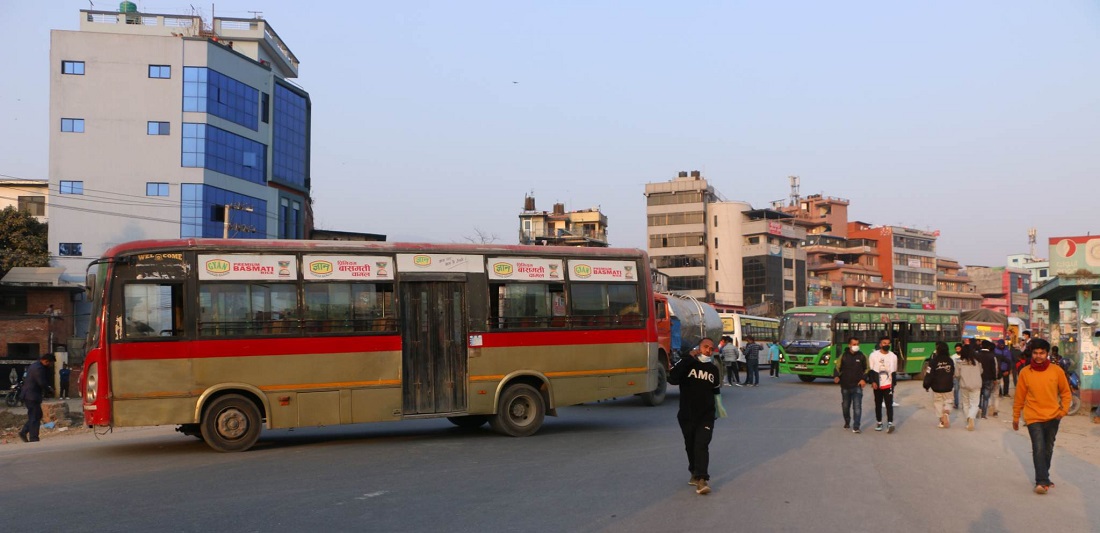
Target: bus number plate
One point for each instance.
(801, 367)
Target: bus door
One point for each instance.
(899, 339)
(433, 355)
(842, 330)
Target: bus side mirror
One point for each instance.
(89, 282)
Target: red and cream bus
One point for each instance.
(226, 337)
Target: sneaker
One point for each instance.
(757, 385)
(878, 427)
(984, 417)
(702, 487)
(856, 430)
(23, 436)
(847, 425)
(941, 425)
(738, 385)
(1041, 489)
(994, 415)
(890, 429)
(693, 481)
(970, 424)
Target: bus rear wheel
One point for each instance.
(520, 412)
(807, 379)
(657, 396)
(469, 421)
(231, 423)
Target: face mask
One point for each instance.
(704, 358)
(854, 349)
(885, 347)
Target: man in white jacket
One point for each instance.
(884, 368)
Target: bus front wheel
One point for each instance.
(520, 412)
(231, 423)
(807, 379)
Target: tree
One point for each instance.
(482, 237)
(23, 241)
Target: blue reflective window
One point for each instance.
(70, 249)
(156, 189)
(290, 143)
(199, 203)
(205, 146)
(160, 71)
(72, 125)
(71, 187)
(72, 67)
(157, 128)
(209, 91)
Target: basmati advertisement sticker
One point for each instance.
(347, 267)
(592, 270)
(525, 269)
(248, 267)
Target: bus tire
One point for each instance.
(520, 412)
(231, 423)
(807, 379)
(657, 396)
(468, 421)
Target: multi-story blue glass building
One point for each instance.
(163, 125)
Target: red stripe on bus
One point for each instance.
(253, 347)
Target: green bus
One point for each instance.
(809, 337)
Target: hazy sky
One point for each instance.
(431, 119)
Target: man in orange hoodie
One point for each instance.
(1043, 396)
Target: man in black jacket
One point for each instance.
(940, 378)
(989, 376)
(699, 386)
(34, 389)
(851, 374)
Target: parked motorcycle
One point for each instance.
(15, 395)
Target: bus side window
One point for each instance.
(153, 310)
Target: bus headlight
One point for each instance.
(91, 382)
(825, 359)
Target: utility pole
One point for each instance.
(239, 227)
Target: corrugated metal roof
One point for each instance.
(50, 276)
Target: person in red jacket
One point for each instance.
(1043, 397)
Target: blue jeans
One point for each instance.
(987, 391)
(956, 393)
(752, 372)
(1042, 448)
(851, 399)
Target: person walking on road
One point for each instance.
(955, 358)
(727, 352)
(851, 374)
(1004, 367)
(63, 375)
(940, 378)
(699, 389)
(752, 361)
(884, 368)
(35, 388)
(970, 381)
(1043, 397)
(773, 359)
(989, 377)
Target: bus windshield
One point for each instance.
(812, 327)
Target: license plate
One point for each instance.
(801, 367)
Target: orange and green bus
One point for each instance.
(224, 338)
(810, 337)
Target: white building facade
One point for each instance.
(158, 123)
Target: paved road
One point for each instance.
(780, 463)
